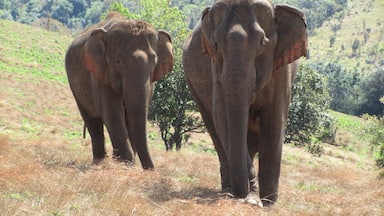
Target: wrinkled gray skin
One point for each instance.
(111, 68)
(240, 62)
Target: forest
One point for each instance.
(77, 14)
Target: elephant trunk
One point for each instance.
(237, 121)
(238, 79)
(237, 93)
(136, 101)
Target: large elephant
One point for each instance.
(111, 68)
(239, 62)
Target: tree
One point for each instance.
(344, 86)
(92, 15)
(307, 114)
(355, 46)
(373, 88)
(375, 129)
(172, 107)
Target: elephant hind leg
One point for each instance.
(96, 131)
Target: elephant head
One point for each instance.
(114, 54)
(254, 35)
(250, 43)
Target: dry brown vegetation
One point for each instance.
(45, 169)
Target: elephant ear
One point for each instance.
(206, 36)
(292, 35)
(94, 55)
(164, 56)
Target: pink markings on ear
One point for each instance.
(89, 64)
(290, 55)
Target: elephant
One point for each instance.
(111, 67)
(239, 62)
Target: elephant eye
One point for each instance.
(117, 62)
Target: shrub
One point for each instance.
(307, 114)
(375, 129)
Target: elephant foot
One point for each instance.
(253, 199)
(97, 160)
(226, 189)
(268, 199)
(125, 158)
(267, 202)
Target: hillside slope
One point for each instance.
(45, 163)
(28, 49)
(362, 24)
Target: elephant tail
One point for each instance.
(84, 132)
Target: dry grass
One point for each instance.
(45, 169)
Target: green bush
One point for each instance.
(375, 129)
(307, 114)
(315, 148)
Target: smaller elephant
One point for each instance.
(111, 68)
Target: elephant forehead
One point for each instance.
(134, 27)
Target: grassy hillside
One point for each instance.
(363, 21)
(27, 49)
(45, 163)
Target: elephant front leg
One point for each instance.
(114, 119)
(270, 151)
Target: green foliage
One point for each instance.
(344, 86)
(173, 110)
(352, 93)
(355, 46)
(307, 114)
(315, 148)
(28, 50)
(373, 91)
(317, 11)
(375, 129)
(172, 107)
(77, 14)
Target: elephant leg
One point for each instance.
(207, 118)
(114, 120)
(252, 150)
(224, 169)
(270, 150)
(96, 131)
